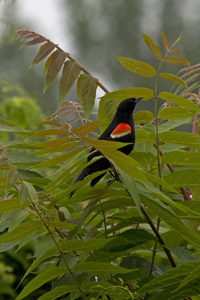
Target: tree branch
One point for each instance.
(158, 236)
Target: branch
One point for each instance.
(158, 236)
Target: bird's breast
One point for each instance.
(120, 130)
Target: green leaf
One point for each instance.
(178, 100)
(54, 143)
(194, 273)
(144, 158)
(41, 279)
(69, 173)
(156, 193)
(100, 267)
(4, 162)
(143, 116)
(56, 148)
(23, 193)
(26, 239)
(192, 209)
(48, 62)
(70, 73)
(184, 178)
(173, 78)
(87, 128)
(49, 253)
(12, 178)
(54, 67)
(167, 215)
(191, 88)
(176, 50)
(176, 41)
(181, 158)
(144, 136)
(123, 161)
(129, 185)
(171, 124)
(45, 242)
(57, 160)
(165, 41)
(177, 61)
(88, 87)
(136, 66)
(152, 46)
(159, 181)
(175, 112)
(9, 205)
(132, 236)
(46, 50)
(58, 292)
(79, 87)
(169, 278)
(62, 290)
(182, 138)
(82, 246)
(18, 218)
(20, 145)
(120, 95)
(31, 190)
(19, 232)
(14, 129)
(9, 123)
(50, 132)
(104, 145)
(106, 111)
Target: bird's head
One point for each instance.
(127, 106)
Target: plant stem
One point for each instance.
(158, 154)
(106, 233)
(155, 230)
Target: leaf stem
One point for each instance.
(158, 154)
(82, 68)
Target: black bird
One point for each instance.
(121, 129)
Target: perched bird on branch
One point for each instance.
(121, 129)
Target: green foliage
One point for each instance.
(89, 246)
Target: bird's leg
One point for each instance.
(111, 173)
(115, 174)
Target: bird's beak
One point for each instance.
(138, 99)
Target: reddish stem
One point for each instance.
(158, 236)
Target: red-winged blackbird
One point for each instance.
(121, 129)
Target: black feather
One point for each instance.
(124, 114)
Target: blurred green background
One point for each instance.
(93, 32)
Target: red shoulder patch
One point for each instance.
(121, 130)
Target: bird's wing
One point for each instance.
(121, 130)
(115, 130)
